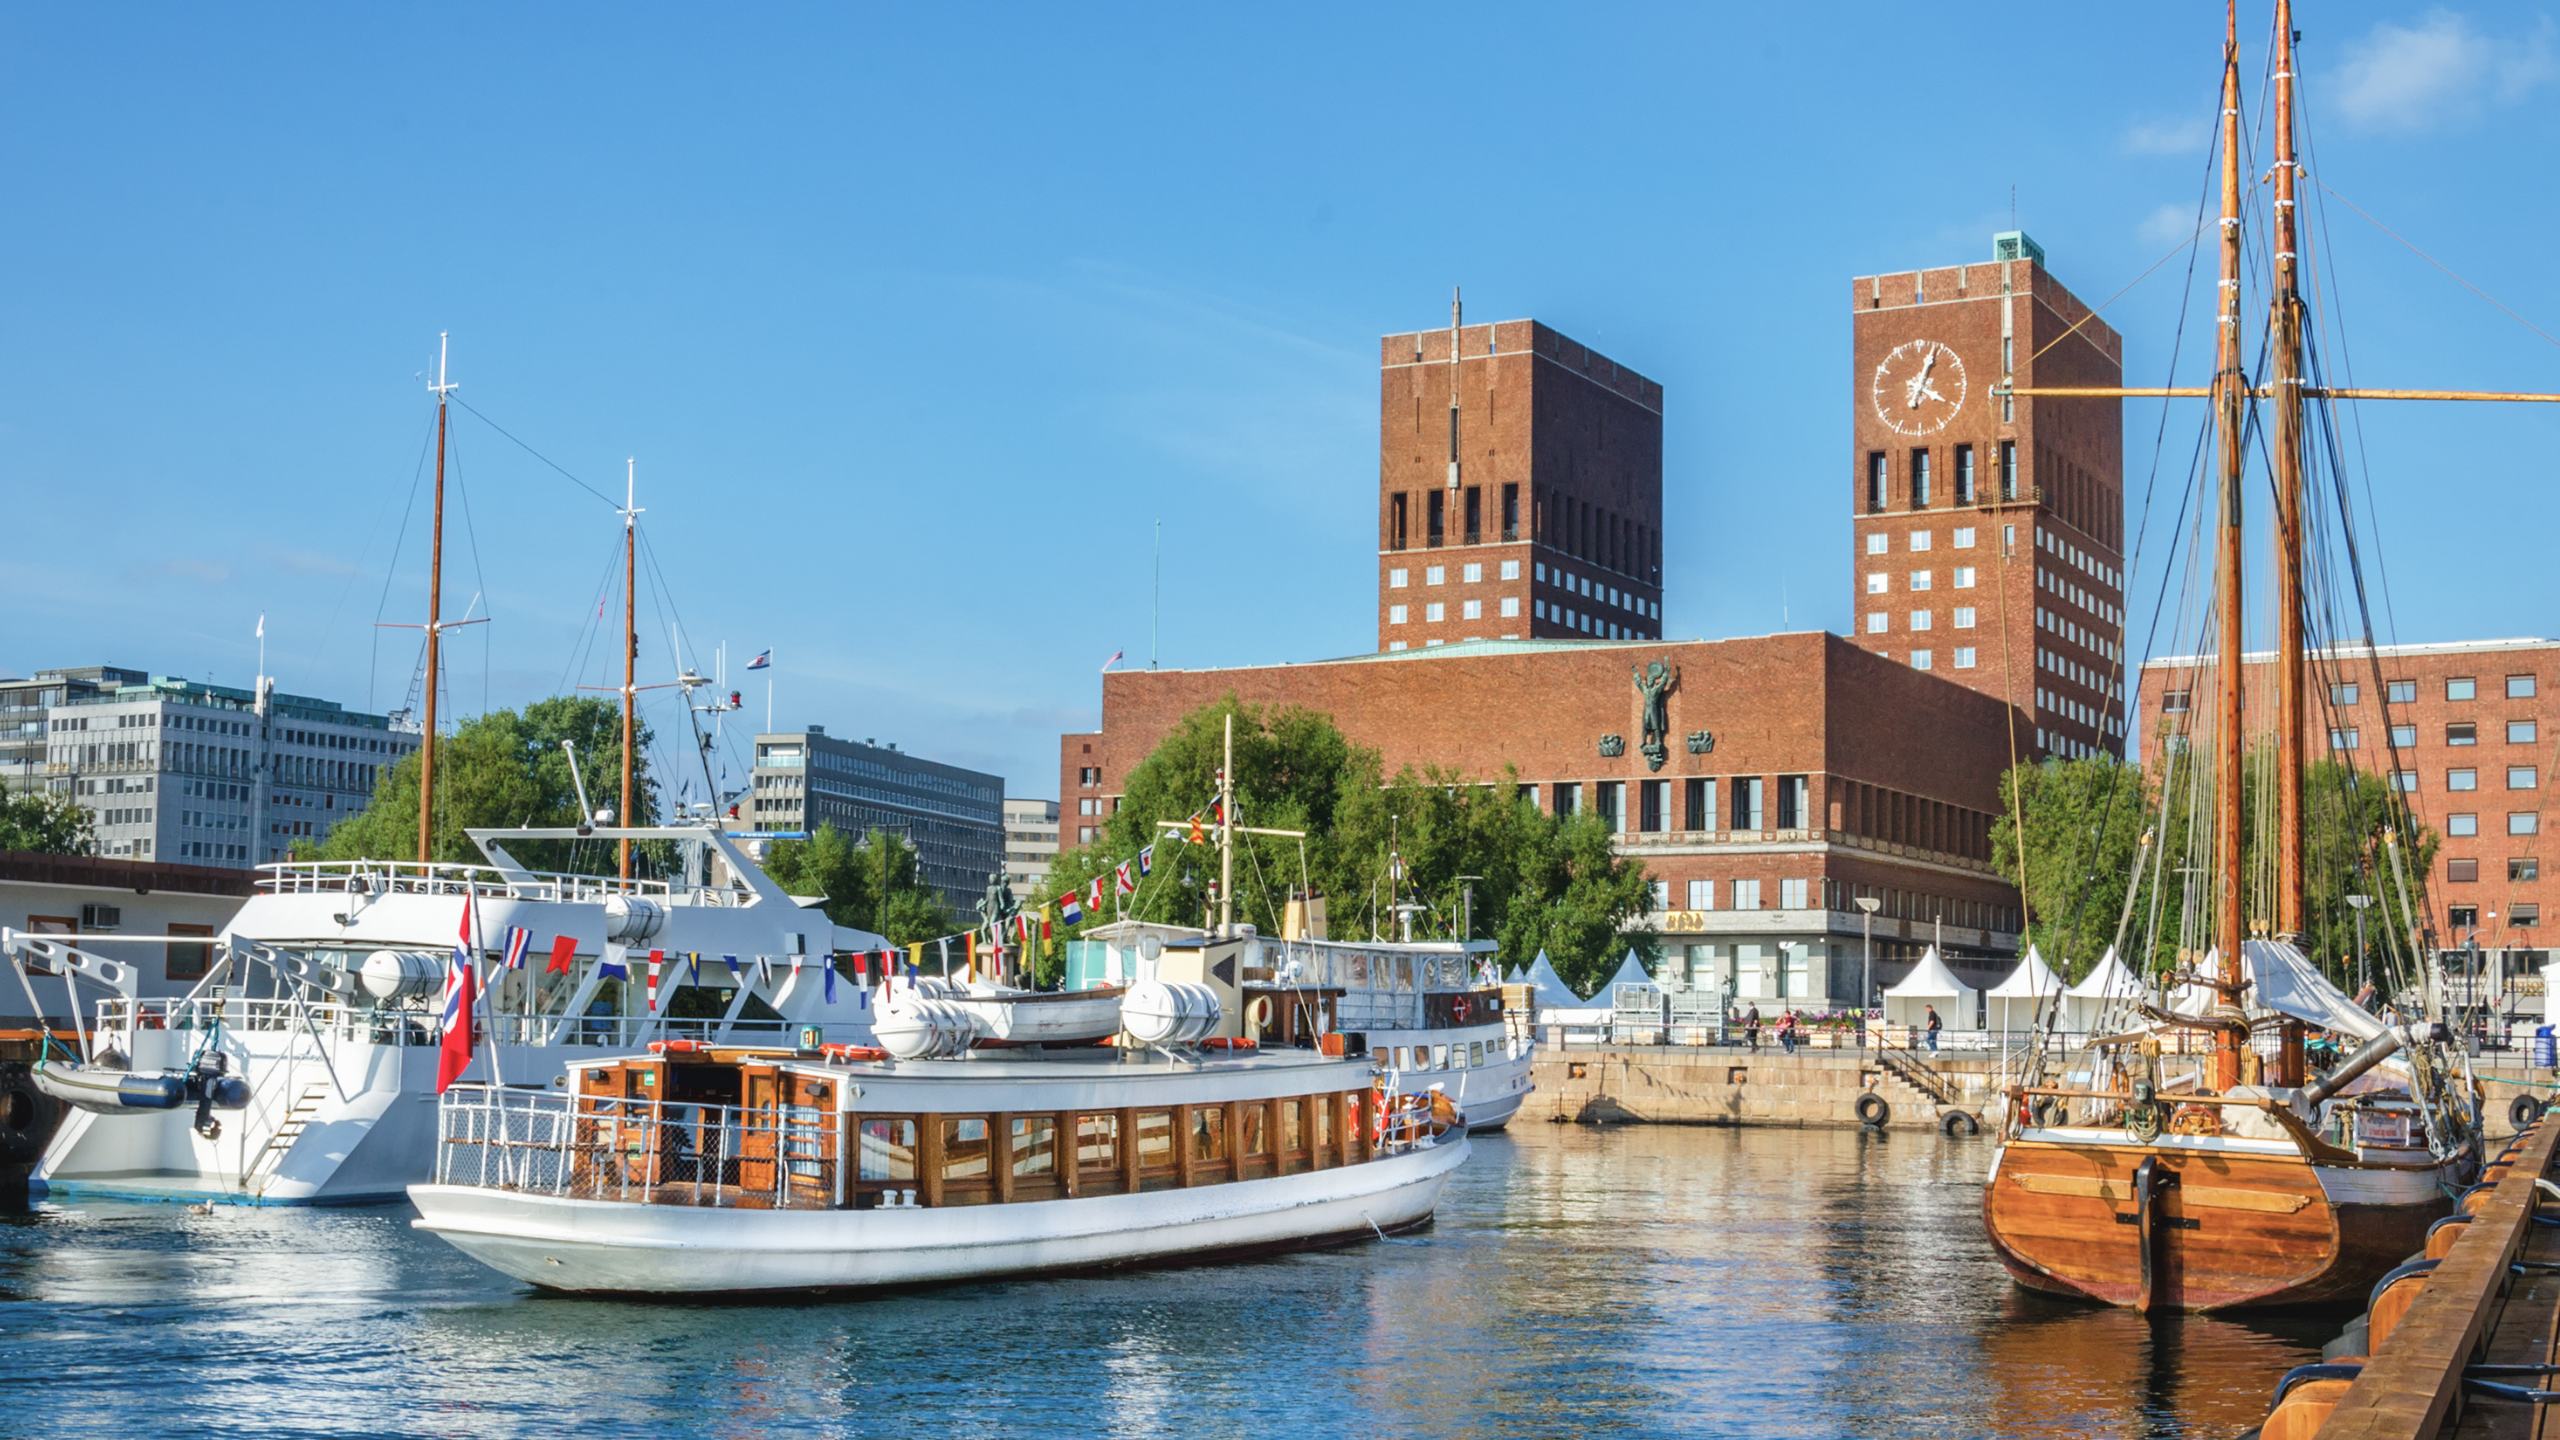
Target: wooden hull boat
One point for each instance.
(2204, 1223)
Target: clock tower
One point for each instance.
(1989, 529)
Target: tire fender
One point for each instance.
(1873, 1111)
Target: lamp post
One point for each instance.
(1867, 906)
(2364, 972)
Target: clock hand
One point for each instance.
(1925, 389)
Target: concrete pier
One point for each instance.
(1679, 1085)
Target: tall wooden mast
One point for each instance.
(2285, 345)
(435, 606)
(2231, 389)
(630, 641)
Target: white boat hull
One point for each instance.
(619, 1247)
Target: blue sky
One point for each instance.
(918, 319)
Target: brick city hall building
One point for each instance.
(1520, 554)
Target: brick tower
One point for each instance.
(1519, 489)
(1989, 530)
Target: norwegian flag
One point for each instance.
(454, 1052)
(518, 938)
(657, 963)
(1126, 882)
(1069, 911)
(1146, 859)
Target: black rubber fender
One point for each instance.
(2524, 1110)
(27, 1117)
(1959, 1122)
(1873, 1111)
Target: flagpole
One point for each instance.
(481, 1001)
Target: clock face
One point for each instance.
(1919, 387)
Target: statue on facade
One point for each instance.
(1655, 682)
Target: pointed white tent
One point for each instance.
(2025, 992)
(2108, 985)
(1629, 973)
(1517, 976)
(1906, 1001)
(1549, 987)
(2195, 999)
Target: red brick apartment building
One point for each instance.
(1520, 553)
(2466, 730)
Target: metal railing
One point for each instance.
(649, 1152)
(404, 877)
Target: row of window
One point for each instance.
(2087, 563)
(2467, 917)
(1880, 583)
(1922, 541)
(2078, 634)
(2519, 822)
(2521, 870)
(2458, 733)
(2519, 777)
(1799, 894)
(2088, 600)
(1920, 490)
(1471, 573)
(2456, 687)
(982, 1159)
(1436, 611)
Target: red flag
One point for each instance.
(1044, 924)
(453, 1054)
(657, 958)
(563, 950)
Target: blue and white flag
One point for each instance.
(610, 966)
(763, 660)
(518, 938)
(733, 966)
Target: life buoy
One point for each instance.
(1458, 1009)
(1226, 1042)
(1873, 1111)
(678, 1047)
(24, 1111)
(1958, 1122)
(852, 1052)
(2523, 1111)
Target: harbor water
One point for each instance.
(1640, 1281)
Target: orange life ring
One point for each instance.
(678, 1047)
(1224, 1042)
(1458, 1009)
(853, 1052)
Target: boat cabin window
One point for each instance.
(888, 1152)
(1156, 1159)
(1098, 1156)
(1035, 1147)
(1439, 1057)
(1208, 1134)
(1293, 1126)
(1257, 1131)
(965, 1157)
(1323, 1107)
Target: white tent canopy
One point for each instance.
(2109, 984)
(1906, 1001)
(1549, 987)
(2024, 993)
(1630, 972)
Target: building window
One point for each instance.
(1964, 474)
(1396, 578)
(1470, 609)
(1877, 543)
(1746, 803)
(2461, 872)
(1964, 537)
(1701, 804)
(1568, 797)
(2524, 914)
(1920, 619)
(2462, 917)
(1702, 894)
(2400, 692)
(1396, 523)
(2520, 687)
(2524, 822)
(2008, 538)
(2521, 732)
(1794, 894)
(2343, 739)
(1922, 660)
(2461, 687)
(1472, 573)
(2008, 469)
(1395, 645)
(1653, 810)
(2462, 733)
(1437, 507)
(1746, 894)
(1876, 582)
(1919, 541)
(1795, 801)
(1511, 525)
(1964, 617)
(1435, 612)
(2524, 869)
(1921, 579)
(2462, 824)
(2176, 702)
(2405, 781)
(1089, 775)
(2342, 694)
(1084, 834)
(1919, 479)
(2404, 736)
(1875, 482)
(1395, 614)
(2523, 777)
(1510, 569)
(1964, 657)
(1876, 623)
(1964, 577)
(1510, 607)
(2462, 779)
(1434, 574)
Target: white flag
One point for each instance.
(262, 624)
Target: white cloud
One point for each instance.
(2169, 224)
(2441, 70)
(2169, 137)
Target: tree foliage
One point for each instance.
(1542, 881)
(874, 885)
(43, 823)
(2085, 820)
(504, 768)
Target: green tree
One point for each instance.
(2084, 822)
(875, 886)
(43, 823)
(504, 768)
(1539, 881)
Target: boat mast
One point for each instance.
(2285, 325)
(435, 604)
(2231, 395)
(630, 639)
(1227, 834)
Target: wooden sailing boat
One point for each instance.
(2243, 1181)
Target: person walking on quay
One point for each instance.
(1751, 1026)
(1935, 1025)
(1787, 1031)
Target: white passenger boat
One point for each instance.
(838, 1169)
(322, 994)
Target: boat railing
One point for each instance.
(409, 877)
(596, 1147)
(122, 1016)
(629, 1032)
